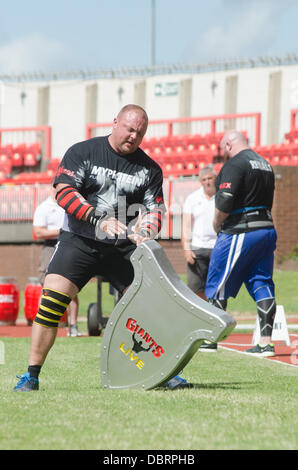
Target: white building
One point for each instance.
(67, 105)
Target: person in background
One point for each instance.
(47, 221)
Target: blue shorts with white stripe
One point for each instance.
(242, 258)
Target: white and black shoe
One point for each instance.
(207, 346)
(260, 350)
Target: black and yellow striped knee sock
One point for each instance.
(52, 306)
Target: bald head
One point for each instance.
(129, 128)
(232, 143)
(132, 108)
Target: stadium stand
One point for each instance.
(15, 158)
(183, 155)
(26, 170)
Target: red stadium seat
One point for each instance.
(17, 159)
(285, 160)
(53, 164)
(30, 159)
(275, 160)
(191, 167)
(217, 167)
(5, 158)
(2, 177)
(50, 173)
(173, 166)
(5, 164)
(18, 155)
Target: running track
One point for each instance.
(287, 354)
(237, 342)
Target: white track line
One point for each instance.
(257, 357)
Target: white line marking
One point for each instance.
(257, 357)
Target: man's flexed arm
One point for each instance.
(76, 205)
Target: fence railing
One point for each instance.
(18, 203)
(211, 125)
(28, 135)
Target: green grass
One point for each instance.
(238, 403)
(286, 283)
(286, 293)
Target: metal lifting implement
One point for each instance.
(157, 326)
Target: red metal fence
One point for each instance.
(206, 125)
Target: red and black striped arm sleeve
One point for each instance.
(72, 202)
(75, 204)
(151, 223)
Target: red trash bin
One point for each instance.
(9, 300)
(32, 294)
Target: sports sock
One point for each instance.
(34, 371)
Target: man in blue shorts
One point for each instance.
(244, 250)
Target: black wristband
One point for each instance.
(94, 216)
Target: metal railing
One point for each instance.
(203, 125)
(159, 69)
(28, 135)
(18, 203)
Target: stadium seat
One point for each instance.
(173, 166)
(292, 137)
(4, 158)
(53, 164)
(217, 167)
(191, 167)
(30, 159)
(275, 160)
(50, 173)
(5, 163)
(18, 155)
(156, 151)
(285, 160)
(17, 159)
(2, 176)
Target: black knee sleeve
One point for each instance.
(266, 312)
(219, 303)
(52, 306)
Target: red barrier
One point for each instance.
(9, 300)
(32, 294)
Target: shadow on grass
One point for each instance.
(212, 386)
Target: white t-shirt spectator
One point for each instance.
(202, 210)
(48, 214)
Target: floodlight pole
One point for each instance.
(153, 12)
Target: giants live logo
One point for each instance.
(142, 342)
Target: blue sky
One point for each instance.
(65, 35)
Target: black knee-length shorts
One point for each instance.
(79, 259)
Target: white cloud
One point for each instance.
(246, 29)
(33, 53)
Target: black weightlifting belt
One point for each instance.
(247, 221)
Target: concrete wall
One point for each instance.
(163, 96)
